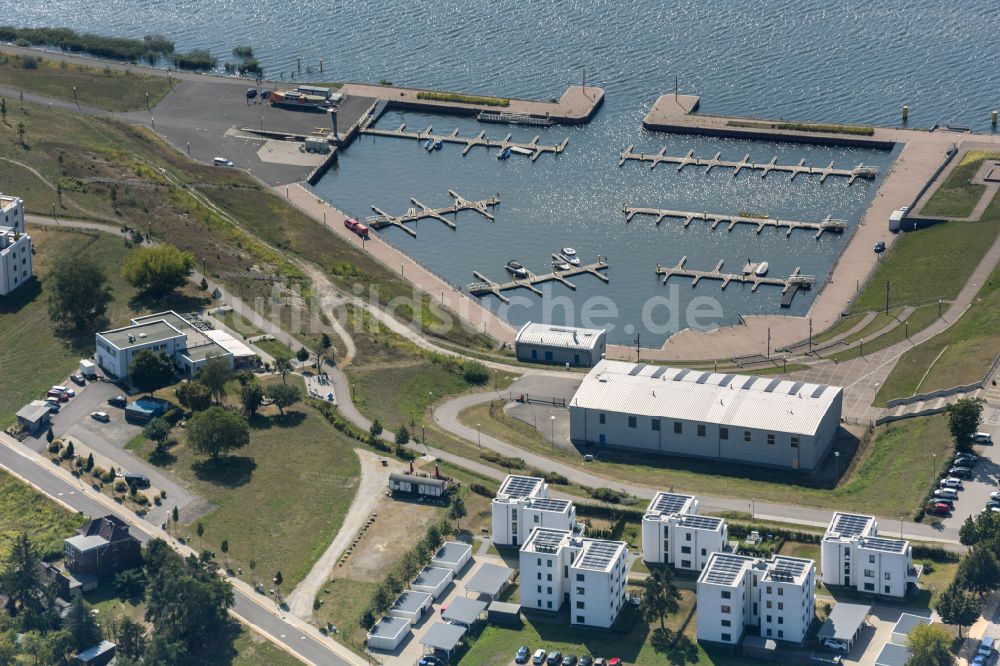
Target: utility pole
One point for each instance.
(886, 298)
(769, 342)
(584, 80)
(810, 335)
(636, 347)
(676, 87)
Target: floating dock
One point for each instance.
(794, 281)
(860, 171)
(532, 147)
(715, 219)
(506, 118)
(422, 211)
(487, 286)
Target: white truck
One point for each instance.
(896, 219)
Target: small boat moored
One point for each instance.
(429, 145)
(560, 265)
(503, 154)
(761, 269)
(568, 255)
(515, 268)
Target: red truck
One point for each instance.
(356, 227)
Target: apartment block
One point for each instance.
(775, 596)
(854, 555)
(522, 504)
(673, 533)
(560, 567)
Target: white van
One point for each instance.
(982, 438)
(221, 161)
(949, 493)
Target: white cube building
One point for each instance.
(673, 533)
(12, 213)
(728, 417)
(545, 343)
(776, 596)
(853, 555)
(16, 261)
(522, 504)
(558, 566)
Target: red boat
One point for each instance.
(356, 227)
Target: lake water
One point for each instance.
(809, 60)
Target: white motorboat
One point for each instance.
(761, 269)
(515, 268)
(568, 255)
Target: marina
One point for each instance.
(487, 286)
(421, 211)
(532, 148)
(749, 275)
(860, 171)
(828, 224)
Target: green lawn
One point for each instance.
(920, 319)
(23, 509)
(343, 602)
(107, 88)
(958, 356)
(279, 501)
(957, 196)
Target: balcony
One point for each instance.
(914, 572)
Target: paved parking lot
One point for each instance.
(877, 633)
(985, 476)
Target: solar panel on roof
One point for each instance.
(682, 374)
(659, 372)
(704, 377)
(726, 379)
(749, 382)
(548, 539)
(795, 388)
(786, 570)
(519, 486)
(819, 390)
(598, 555)
(724, 569)
(702, 522)
(546, 504)
(849, 524)
(887, 545)
(669, 503)
(773, 385)
(639, 367)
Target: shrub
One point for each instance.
(463, 99)
(198, 59)
(120, 486)
(606, 495)
(503, 461)
(173, 416)
(140, 499)
(475, 372)
(54, 447)
(29, 62)
(480, 489)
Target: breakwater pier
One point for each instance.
(532, 148)
(715, 219)
(487, 286)
(421, 211)
(794, 281)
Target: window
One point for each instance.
(726, 594)
(795, 441)
(685, 550)
(537, 518)
(746, 435)
(579, 604)
(539, 601)
(770, 438)
(549, 577)
(768, 632)
(685, 564)
(781, 620)
(631, 421)
(869, 587)
(539, 575)
(548, 563)
(871, 559)
(888, 589)
(769, 589)
(781, 634)
(781, 591)
(869, 573)
(549, 591)
(600, 418)
(580, 619)
(887, 577)
(549, 604)
(539, 561)
(701, 430)
(725, 609)
(704, 552)
(768, 618)
(687, 537)
(723, 433)
(768, 603)
(726, 638)
(579, 578)
(678, 427)
(781, 606)
(579, 590)
(539, 589)
(727, 623)
(656, 425)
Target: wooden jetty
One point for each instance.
(421, 211)
(860, 171)
(534, 148)
(487, 286)
(715, 219)
(794, 281)
(503, 117)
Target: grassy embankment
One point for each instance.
(958, 195)
(105, 88)
(23, 509)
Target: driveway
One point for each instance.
(877, 633)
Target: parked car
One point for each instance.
(614, 661)
(265, 93)
(979, 660)
(945, 500)
(570, 660)
(554, 658)
(938, 509)
(78, 380)
(880, 247)
(100, 416)
(836, 644)
(222, 161)
(251, 93)
(986, 647)
(136, 479)
(951, 482)
(70, 392)
(949, 493)
(58, 388)
(539, 657)
(53, 405)
(966, 459)
(982, 438)
(995, 495)
(586, 660)
(960, 472)
(430, 660)
(523, 655)
(118, 401)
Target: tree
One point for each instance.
(929, 645)
(659, 596)
(20, 133)
(475, 372)
(69, 451)
(283, 364)
(165, 651)
(253, 565)
(217, 430)
(174, 514)
(284, 395)
(203, 285)
(402, 436)
(49, 435)
(81, 624)
(457, 509)
(325, 345)
(302, 354)
(958, 607)
(157, 430)
(158, 270)
(89, 465)
(194, 395)
(150, 370)
(964, 417)
(131, 640)
(252, 397)
(130, 583)
(374, 431)
(22, 582)
(201, 533)
(78, 294)
(214, 375)
(224, 547)
(979, 570)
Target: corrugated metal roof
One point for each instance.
(612, 386)
(566, 337)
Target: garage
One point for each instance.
(432, 580)
(388, 633)
(843, 626)
(453, 555)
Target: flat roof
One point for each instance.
(411, 601)
(724, 569)
(844, 621)
(463, 610)
(432, 576)
(34, 411)
(553, 505)
(696, 522)
(515, 486)
(669, 503)
(452, 552)
(205, 351)
(598, 554)
(490, 579)
(413, 478)
(443, 636)
(893, 655)
(169, 316)
(546, 540)
(907, 622)
(142, 334)
(229, 343)
(784, 569)
(566, 337)
(389, 627)
(846, 525)
(95, 651)
(884, 545)
(82, 542)
(741, 401)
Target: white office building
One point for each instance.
(673, 533)
(12, 213)
(546, 343)
(16, 262)
(522, 504)
(775, 596)
(590, 574)
(727, 417)
(854, 555)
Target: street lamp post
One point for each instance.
(753, 507)
(836, 458)
(479, 436)
(552, 421)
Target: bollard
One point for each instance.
(321, 65)
(906, 112)
(993, 118)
